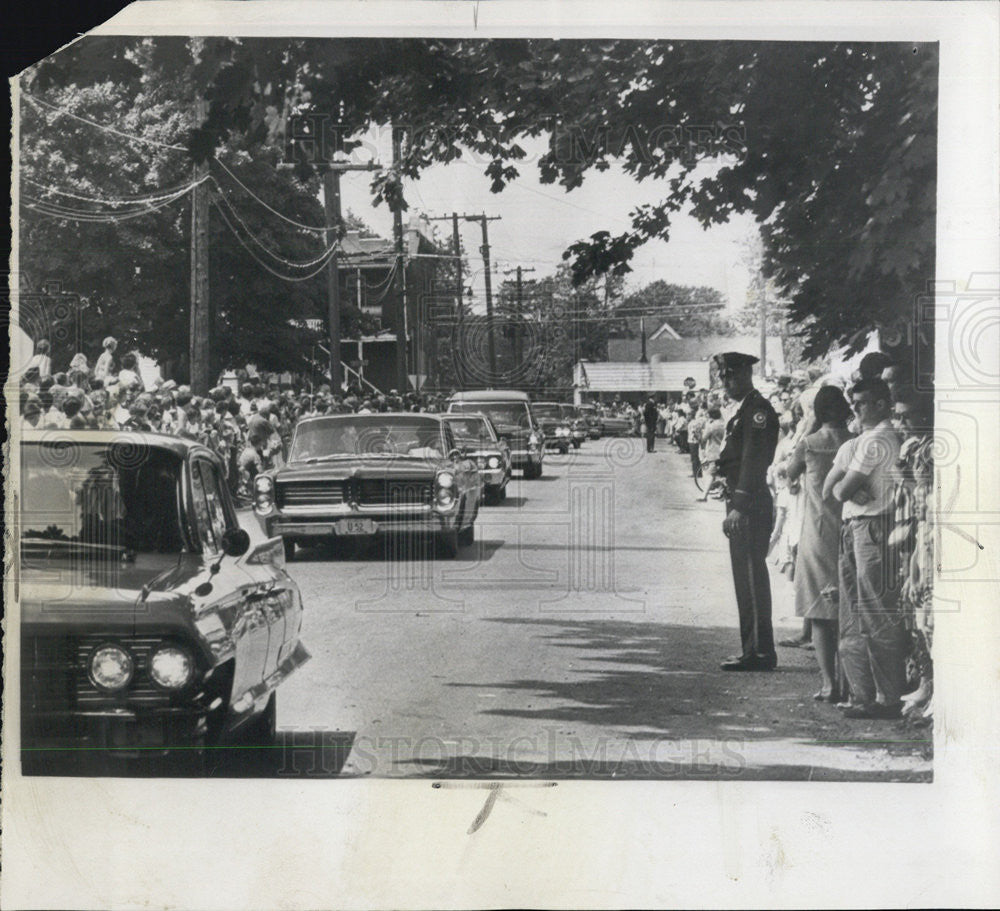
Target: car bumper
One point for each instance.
(557, 442)
(493, 477)
(127, 733)
(520, 458)
(416, 519)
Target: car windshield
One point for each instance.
(502, 414)
(543, 411)
(367, 436)
(102, 498)
(470, 431)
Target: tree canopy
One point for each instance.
(95, 221)
(689, 310)
(830, 146)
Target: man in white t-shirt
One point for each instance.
(873, 641)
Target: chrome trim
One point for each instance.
(284, 670)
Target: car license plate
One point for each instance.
(356, 527)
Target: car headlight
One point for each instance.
(562, 431)
(534, 440)
(493, 462)
(171, 667)
(263, 489)
(111, 667)
(445, 490)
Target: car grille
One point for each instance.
(141, 690)
(48, 673)
(310, 493)
(385, 492)
(54, 674)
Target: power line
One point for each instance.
(287, 278)
(99, 126)
(385, 281)
(325, 255)
(118, 200)
(386, 290)
(291, 221)
(66, 213)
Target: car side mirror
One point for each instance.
(456, 454)
(235, 542)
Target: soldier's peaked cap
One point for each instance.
(734, 359)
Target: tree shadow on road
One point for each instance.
(655, 680)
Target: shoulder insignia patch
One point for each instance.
(759, 419)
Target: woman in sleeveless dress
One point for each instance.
(816, 580)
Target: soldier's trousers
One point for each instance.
(873, 640)
(748, 555)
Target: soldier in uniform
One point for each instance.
(748, 449)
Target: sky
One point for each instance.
(538, 221)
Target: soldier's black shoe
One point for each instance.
(749, 663)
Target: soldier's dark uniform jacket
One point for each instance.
(751, 438)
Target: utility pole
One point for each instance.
(485, 250)
(519, 311)
(459, 299)
(331, 203)
(400, 308)
(199, 349)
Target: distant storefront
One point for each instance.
(664, 365)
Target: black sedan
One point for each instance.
(554, 424)
(149, 624)
(478, 439)
(355, 476)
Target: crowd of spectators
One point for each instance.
(248, 422)
(851, 481)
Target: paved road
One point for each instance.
(579, 637)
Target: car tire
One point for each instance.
(254, 743)
(563, 450)
(502, 493)
(576, 444)
(532, 471)
(289, 545)
(262, 730)
(448, 544)
(467, 536)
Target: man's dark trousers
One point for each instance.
(748, 555)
